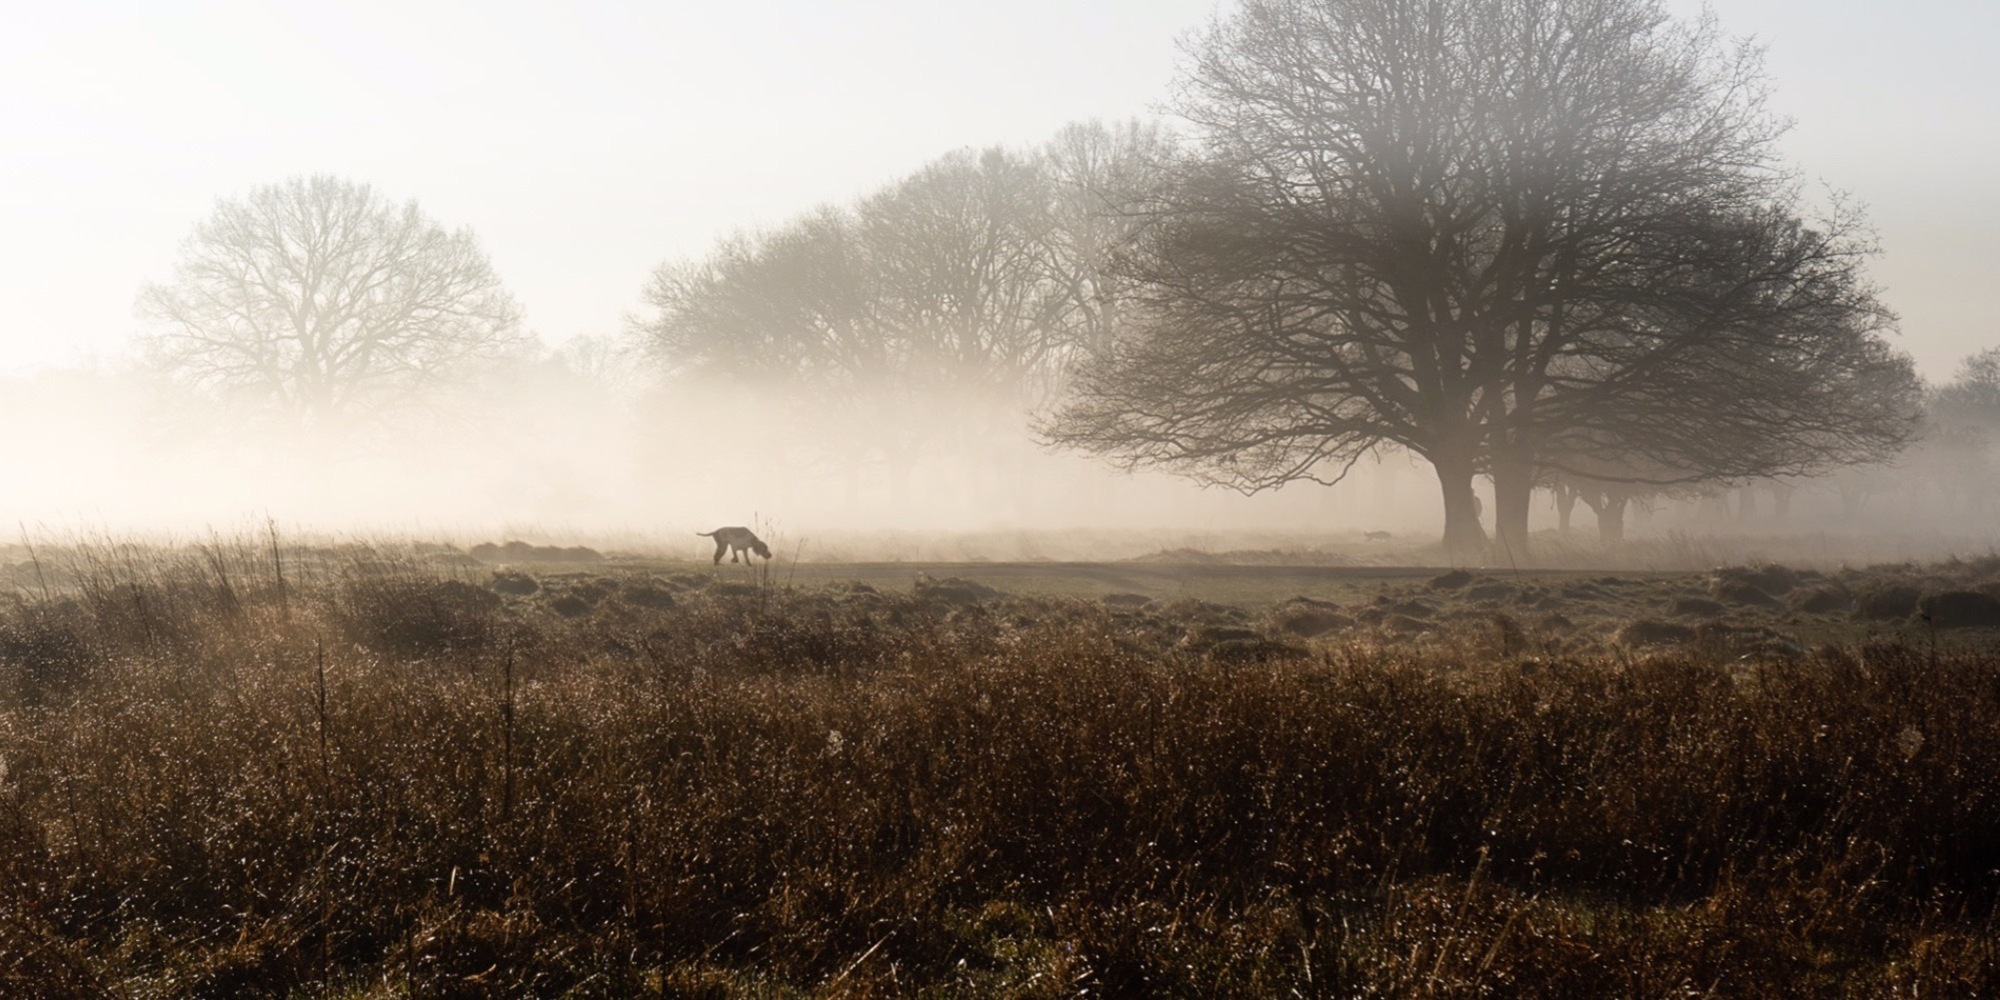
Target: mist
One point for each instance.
(923, 433)
(583, 446)
(542, 450)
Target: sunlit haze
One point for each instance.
(586, 144)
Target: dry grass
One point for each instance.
(375, 778)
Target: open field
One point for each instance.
(238, 770)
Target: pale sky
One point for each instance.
(586, 143)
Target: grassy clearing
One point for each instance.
(381, 771)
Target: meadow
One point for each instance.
(247, 768)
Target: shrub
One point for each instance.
(1960, 609)
(1652, 632)
(1885, 602)
(1305, 617)
(46, 648)
(570, 606)
(1822, 600)
(1696, 607)
(1201, 637)
(514, 583)
(1734, 591)
(647, 594)
(1407, 624)
(1770, 578)
(523, 552)
(951, 590)
(417, 616)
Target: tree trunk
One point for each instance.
(1611, 520)
(1464, 538)
(1565, 506)
(900, 469)
(1850, 501)
(1609, 506)
(1714, 507)
(1513, 494)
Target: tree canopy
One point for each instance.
(1972, 397)
(316, 299)
(947, 303)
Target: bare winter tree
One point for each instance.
(1962, 434)
(793, 316)
(956, 253)
(790, 306)
(937, 310)
(1499, 233)
(1972, 397)
(317, 299)
(1100, 179)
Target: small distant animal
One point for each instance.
(1377, 536)
(735, 540)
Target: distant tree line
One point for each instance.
(1947, 470)
(980, 279)
(1544, 242)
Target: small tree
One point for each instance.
(316, 299)
(1972, 397)
(1963, 431)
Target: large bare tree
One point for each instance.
(1498, 233)
(319, 300)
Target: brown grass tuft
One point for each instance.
(384, 778)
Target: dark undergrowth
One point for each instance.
(381, 779)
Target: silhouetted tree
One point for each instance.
(1508, 235)
(318, 299)
(1962, 432)
(1100, 179)
(1610, 498)
(1972, 397)
(794, 315)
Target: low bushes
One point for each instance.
(402, 783)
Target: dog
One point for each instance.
(735, 540)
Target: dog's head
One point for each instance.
(760, 548)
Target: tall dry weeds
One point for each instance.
(381, 779)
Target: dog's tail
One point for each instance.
(707, 534)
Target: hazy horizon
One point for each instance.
(588, 145)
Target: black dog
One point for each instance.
(734, 540)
